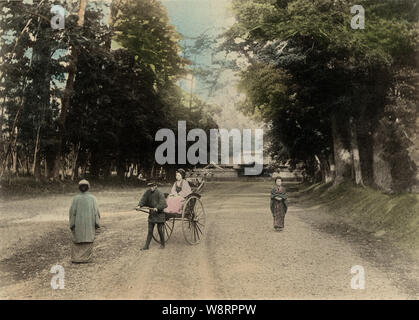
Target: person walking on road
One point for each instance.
(84, 220)
(279, 205)
(155, 200)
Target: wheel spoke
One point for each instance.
(202, 225)
(191, 231)
(198, 228)
(193, 220)
(194, 233)
(167, 231)
(168, 226)
(198, 234)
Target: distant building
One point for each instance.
(215, 171)
(287, 175)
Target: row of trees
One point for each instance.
(339, 99)
(90, 97)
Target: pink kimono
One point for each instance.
(175, 201)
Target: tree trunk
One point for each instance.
(35, 153)
(94, 167)
(40, 89)
(14, 153)
(355, 153)
(12, 142)
(68, 91)
(152, 170)
(27, 164)
(111, 21)
(331, 161)
(107, 169)
(325, 168)
(2, 151)
(381, 168)
(14, 161)
(49, 165)
(120, 169)
(74, 166)
(342, 157)
(20, 165)
(75, 174)
(11, 147)
(366, 153)
(37, 169)
(131, 171)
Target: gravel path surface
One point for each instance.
(241, 256)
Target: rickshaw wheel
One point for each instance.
(167, 230)
(193, 220)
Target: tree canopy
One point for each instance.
(323, 85)
(119, 96)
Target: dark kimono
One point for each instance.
(156, 200)
(279, 207)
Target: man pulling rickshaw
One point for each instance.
(182, 204)
(154, 199)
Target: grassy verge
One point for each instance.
(395, 217)
(27, 187)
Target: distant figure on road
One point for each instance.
(84, 220)
(180, 190)
(155, 200)
(278, 204)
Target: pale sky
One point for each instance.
(192, 18)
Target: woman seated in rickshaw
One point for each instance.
(180, 190)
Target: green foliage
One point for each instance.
(307, 64)
(28, 44)
(142, 27)
(396, 128)
(131, 92)
(120, 97)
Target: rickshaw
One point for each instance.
(192, 217)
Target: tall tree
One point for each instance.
(68, 91)
(341, 74)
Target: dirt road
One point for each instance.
(241, 256)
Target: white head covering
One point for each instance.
(84, 181)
